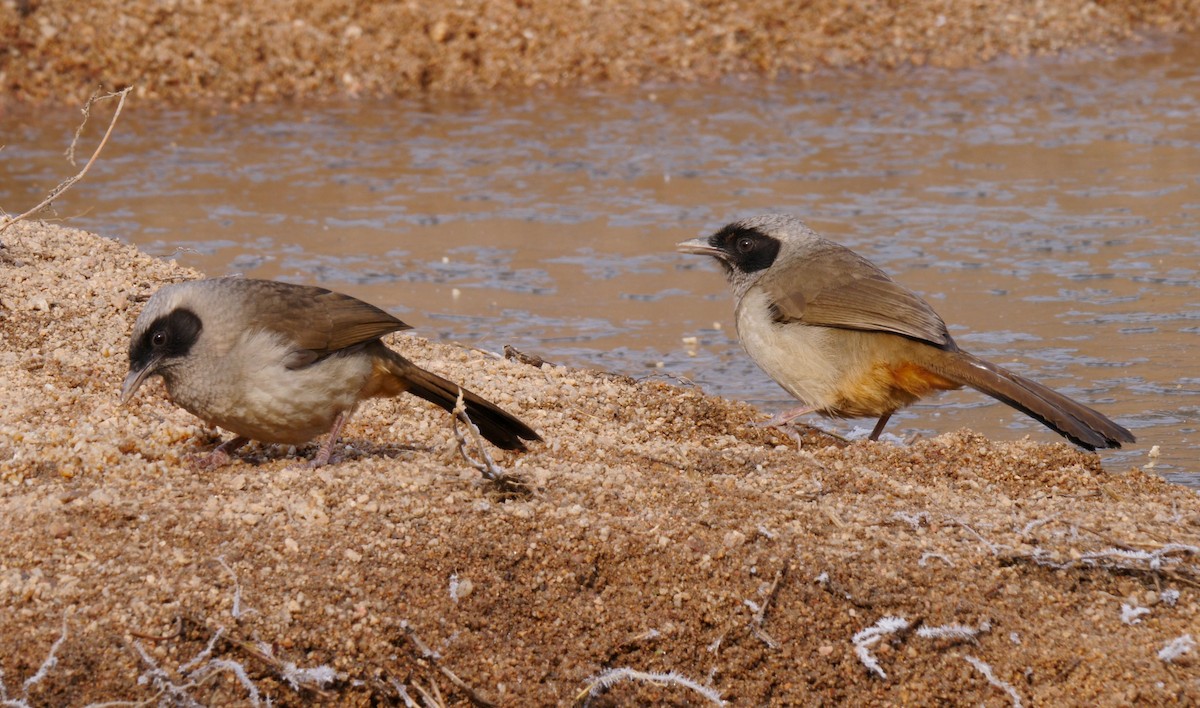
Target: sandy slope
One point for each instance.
(662, 534)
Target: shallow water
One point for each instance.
(1047, 209)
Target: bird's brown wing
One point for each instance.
(315, 319)
(836, 287)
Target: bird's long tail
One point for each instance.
(1073, 420)
(501, 428)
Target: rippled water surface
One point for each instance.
(1047, 209)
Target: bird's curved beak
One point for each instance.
(700, 247)
(136, 377)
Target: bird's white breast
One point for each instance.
(243, 385)
(798, 357)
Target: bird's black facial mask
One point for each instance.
(747, 250)
(170, 336)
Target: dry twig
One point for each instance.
(504, 481)
(760, 614)
(312, 680)
(432, 657)
(598, 684)
(178, 630)
(69, 182)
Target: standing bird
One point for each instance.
(847, 341)
(284, 363)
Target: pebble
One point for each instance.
(101, 497)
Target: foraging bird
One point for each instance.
(284, 363)
(847, 341)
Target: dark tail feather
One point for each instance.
(500, 428)
(1073, 420)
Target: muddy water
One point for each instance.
(1047, 209)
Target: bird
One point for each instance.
(284, 363)
(847, 341)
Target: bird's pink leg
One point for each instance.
(326, 450)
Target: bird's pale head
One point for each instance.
(164, 334)
(747, 248)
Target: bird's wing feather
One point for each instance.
(836, 287)
(313, 318)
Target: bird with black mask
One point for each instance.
(847, 341)
(284, 363)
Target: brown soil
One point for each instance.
(661, 534)
(186, 50)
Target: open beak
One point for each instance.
(700, 247)
(135, 379)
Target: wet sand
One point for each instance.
(58, 50)
(661, 533)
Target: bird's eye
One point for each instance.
(158, 339)
(745, 244)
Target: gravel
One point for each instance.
(661, 552)
(233, 52)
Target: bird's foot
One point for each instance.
(784, 422)
(791, 434)
(325, 453)
(219, 457)
(781, 419)
(319, 460)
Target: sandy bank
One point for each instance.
(232, 51)
(662, 535)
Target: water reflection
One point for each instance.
(1046, 209)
